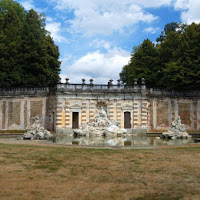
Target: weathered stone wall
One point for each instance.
(148, 109)
(16, 113)
(163, 110)
(50, 123)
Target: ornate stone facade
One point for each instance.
(78, 105)
(69, 106)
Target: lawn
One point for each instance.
(54, 172)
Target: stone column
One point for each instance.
(111, 107)
(44, 112)
(192, 114)
(195, 113)
(1, 114)
(6, 115)
(22, 114)
(63, 113)
(67, 117)
(144, 114)
(154, 113)
(87, 111)
(135, 113)
(25, 112)
(83, 113)
(198, 114)
(28, 113)
(115, 110)
(119, 108)
(70, 119)
(139, 113)
(169, 112)
(176, 108)
(92, 109)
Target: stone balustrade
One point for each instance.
(97, 88)
(138, 87)
(173, 93)
(24, 91)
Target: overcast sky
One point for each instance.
(96, 37)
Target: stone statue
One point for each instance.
(101, 126)
(36, 131)
(102, 113)
(176, 131)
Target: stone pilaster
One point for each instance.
(192, 114)
(144, 112)
(169, 111)
(28, 113)
(22, 114)
(176, 108)
(6, 115)
(198, 115)
(154, 113)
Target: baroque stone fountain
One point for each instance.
(176, 131)
(37, 131)
(101, 126)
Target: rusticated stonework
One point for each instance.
(69, 106)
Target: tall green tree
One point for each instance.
(173, 64)
(28, 55)
(33, 54)
(52, 72)
(173, 27)
(6, 5)
(184, 71)
(10, 47)
(144, 63)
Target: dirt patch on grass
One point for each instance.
(49, 172)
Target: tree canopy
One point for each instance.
(174, 63)
(28, 55)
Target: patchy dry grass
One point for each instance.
(42, 172)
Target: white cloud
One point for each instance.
(28, 5)
(104, 17)
(49, 19)
(181, 4)
(55, 29)
(190, 10)
(70, 4)
(100, 44)
(153, 3)
(105, 23)
(152, 30)
(101, 67)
